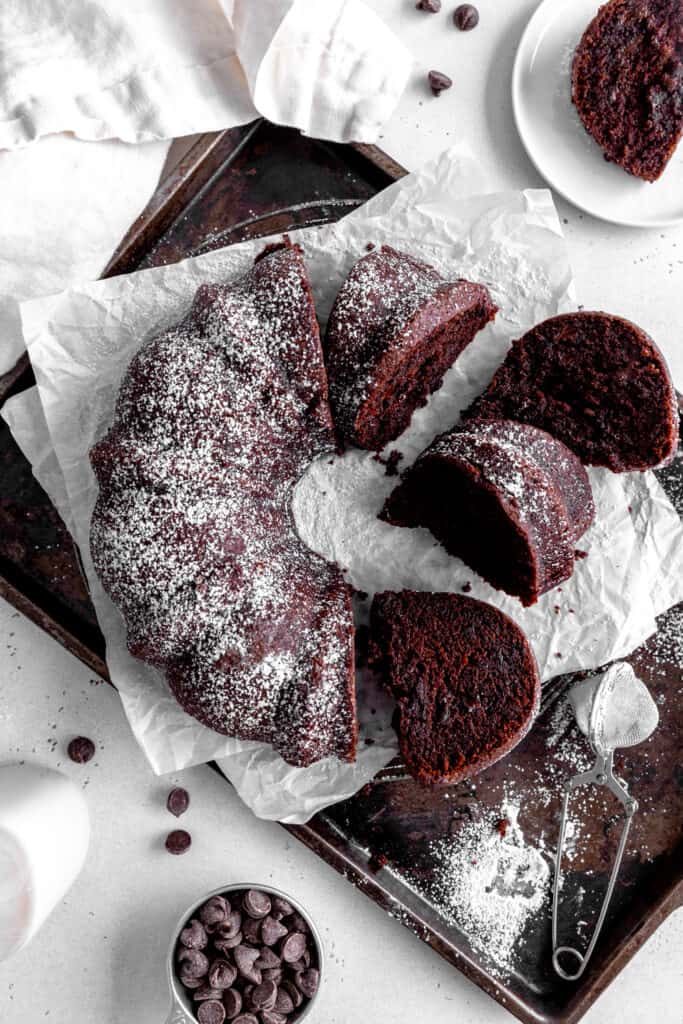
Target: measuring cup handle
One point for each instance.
(177, 1015)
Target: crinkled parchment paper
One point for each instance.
(82, 340)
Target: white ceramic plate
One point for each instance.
(558, 144)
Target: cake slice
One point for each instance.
(395, 328)
(192, 535)
(627, 83)
(596, 382)
(506, 498)
(463, 675)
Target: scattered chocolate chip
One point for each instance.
(256, 903)
(268, 959)
(431, 6)
(437, 83)
(194, 964)
(232, 1001)
(271, 931)
(582, 554)
(502, 826)
(194, 935)
(244, 960)
(369, 246)
(178, 801)
(281, 907)
(308, 982)
(466, 587)
(222, 974)
(377, 862)
(293, 947)
(394, 457)
(206, 992)
(293, 992)
(178, 841)
(466, 17)
(264, 995)
(81, 749)
(211, 1012)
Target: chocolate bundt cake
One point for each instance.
(506, 498)
(395, 328)
(192, 536)
(627, 83)
(464, 677)
(596, 382)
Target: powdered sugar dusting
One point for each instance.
(192, 534)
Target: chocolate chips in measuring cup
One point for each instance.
(247, 956)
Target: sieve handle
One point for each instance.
(601, 774)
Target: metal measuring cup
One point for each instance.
(613, 710)
(182, 1010)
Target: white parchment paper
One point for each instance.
(81, 342)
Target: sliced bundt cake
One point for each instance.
(395, 328)
(506, 498)
(596, 382)
(627, 83)
(192, 534)
(463, 675)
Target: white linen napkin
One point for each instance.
(140, 71)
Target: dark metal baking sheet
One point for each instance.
(259, 180)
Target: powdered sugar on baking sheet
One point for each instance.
(490, 884)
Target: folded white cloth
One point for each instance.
(140, 70)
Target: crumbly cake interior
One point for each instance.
(464, 678)
(596, 382)
(627, 83)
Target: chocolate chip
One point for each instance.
(230, 926)
(232, 1001)
(244, 959)
(256, 903)
(308, 982)
(81, 749)
(178, 801)
(190, 982)
(214, 911)
(252, 930)
(293, 947)
(222, 974)
(283, 1002)
(297, 924)
(272, 974)
(431, 6)
(268, 958)
(246, 1018)
(178, 841)
(293, 992)
(281, 907)
(272, 1017)
(438, 82)
(211, 1012)
(466, 17)
(298, 966)
(194, 935)
(223, 945)
(271, 931)
(206, 992)
(264, 995)
(306, 958)
(193, 962)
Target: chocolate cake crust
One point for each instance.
(627, 83)
(463, 675)
(395, 328)
(192, 535)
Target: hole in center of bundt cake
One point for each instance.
(388, 412)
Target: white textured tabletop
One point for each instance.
(99, 959)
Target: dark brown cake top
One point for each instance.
(627, 83)
(192, 534)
